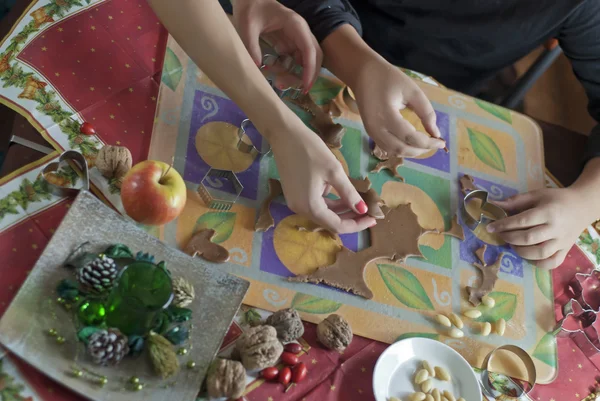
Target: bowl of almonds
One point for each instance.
(421, 369)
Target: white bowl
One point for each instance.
(397, 365)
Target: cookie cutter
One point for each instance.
(585, 289)
(487, 383)
(67, 156)
(246, 147)
(288, 65)
(472, 222)
(214, 198)
(30, 144)
(582, 326)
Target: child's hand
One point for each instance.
(381, 91)
(308, 170)
(286, 30)
(546, 227)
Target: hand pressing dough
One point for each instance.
(391, 164)
(489, 276)
(330, 132)
(480, 253)
(200, 245)
(395, 237)
(379, 153)
(370, 196)
(316, 229)
(265, 220)
(467, 184)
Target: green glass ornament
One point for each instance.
(92, 313)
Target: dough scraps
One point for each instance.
(467, 184)
(396, 237)
(379, 153)
(200, 245)
(456, 229)
(330, 132)
(333, 108)
(370, 196)
(480, 253)
(265, 220)
(489, 276)
(391, 164)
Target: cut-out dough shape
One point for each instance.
(456, 229)
(467, 184)
(201, 245)
(489, 276)
(330, 132)
(480, 253)
(370, 196)
(396, 237)
(391, 164)
(265, 220)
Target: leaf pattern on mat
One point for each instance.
(311, 304)
(506, 304)
(433, 336)
(324, 90)
(172, 70)
(545, 350)
(486, 150)
(222, 222)
(405, 287)
(500, 112)
(544, 282)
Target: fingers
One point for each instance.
(409, 135)
(338, 179)
(519, 202)
(250, 33)
(337, 206)
(422, 107)
(532, 236)
(310, 51)
(553, 261)
(537, 252)
(392, 145)
(527, 219)
(340, 224)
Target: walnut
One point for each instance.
(287, 323)
(334, 332)
(114, 162)
(226, 379)
(259, 347)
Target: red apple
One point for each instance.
(153, 193)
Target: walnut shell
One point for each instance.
(226, 378)
(288, 324)
(114, 161)
(259, 347)
(334, 332)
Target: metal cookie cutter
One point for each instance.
(515, 390)
(472, 222)
(582, 325)
(246, 147)
(585, 289)
(68, 156)
(216, 198)
(288, 66)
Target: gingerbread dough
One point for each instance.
(379, 153)
(489, 276)
(396, 237)
(333, 108)
(391, 164)
(467, 184)
(456, 229)
(330, 132)
(265, 220)
(200, 245)
(370, 196)
(480, 253)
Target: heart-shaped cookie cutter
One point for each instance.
(246, 147)
(67, 156)
(471, 221)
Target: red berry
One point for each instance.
(287, 358)
(270, 373)
(285, 375)
(299, 372)
(294, 348)
(87, 129)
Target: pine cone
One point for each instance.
(99, 275)
(107, 347)
(183, 292)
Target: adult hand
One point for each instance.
(547, 225)
(381, 91)
(308, 169)
(284, 29)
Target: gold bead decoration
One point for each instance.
(60, 300)
(52, 332)
(77, 373)
(182, 351)
(139, 387)
(103, 380)
(191, 364)
(134, 380)
(60, 340)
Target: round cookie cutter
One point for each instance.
(494, 210)
(487, 383)
(248, 147)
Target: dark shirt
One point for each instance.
(462, 43)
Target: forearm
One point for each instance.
(587, 187)
(347, 55)
(204, 31)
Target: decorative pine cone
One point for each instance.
(99, 275)
(107, 347)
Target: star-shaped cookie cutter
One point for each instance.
(248, 147)
(582, 325)
(288, 66)
(473, 222)
(585, 288)
(215, 198)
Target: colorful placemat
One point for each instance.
(195, 124)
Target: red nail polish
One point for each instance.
(361, 207)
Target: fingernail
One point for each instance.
(361, 207)
(490, 228)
